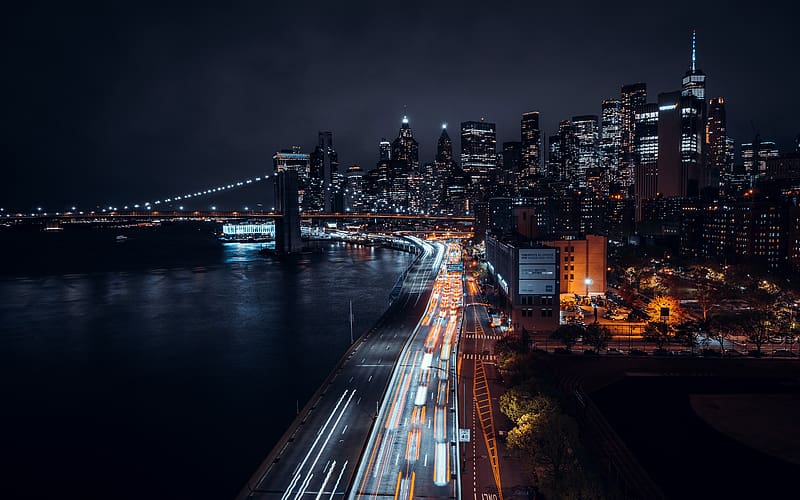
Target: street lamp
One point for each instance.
(588, 281)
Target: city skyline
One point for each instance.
(180, 101)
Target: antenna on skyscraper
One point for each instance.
(694, 50)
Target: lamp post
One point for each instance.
(588, 281)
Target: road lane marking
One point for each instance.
(327, 477)
(335, 486)
(314, 444)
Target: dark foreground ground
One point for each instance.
(686, 454)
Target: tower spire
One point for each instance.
(694, 50)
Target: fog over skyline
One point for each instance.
(127, 101)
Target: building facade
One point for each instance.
(586, 133)
(531, 144)
(631, 98)
(611, 146)
(526, 276)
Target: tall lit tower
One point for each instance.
(478, 149)
(631, 97)
(694, 81)
(610, 140)
(561, 162)
(586, 141)
(405, 147)
(326, 180)
(531, 143)
(716, 135)
(444, 154)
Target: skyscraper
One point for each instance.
(694, 81)
(681, 165)
(405, 147)
(754, 157)
(478, 150)
(444, 154)
(384, 150)
(531, 143)
(354, 190)
(610, 142)
(511, 163)
(561, 158)
(645, 155)
(716, 136)
(631, 97)
(586, 141)
(513, 154)
(325, 181)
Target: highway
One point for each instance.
(318, 454)
(411, 452)
(484, 456)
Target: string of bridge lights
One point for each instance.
(147, 205)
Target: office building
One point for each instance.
(444, 162)
(681, 138)
(527, 278)
(586, 135)
(717, 140)
(511, 165)
(384, 150)
(645, 155)
(405, 148)
(561, 153)
(354, 189)
(531, 144)
(631, 98)
(582, 265)
(754, 157)
(479, 159)
(325, 182)
(611, 145)
(478, 150)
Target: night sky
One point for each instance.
(112, 104)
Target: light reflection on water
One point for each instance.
(244, 252)
(173, 372)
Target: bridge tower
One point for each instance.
(287, 228)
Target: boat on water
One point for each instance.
(121, 238)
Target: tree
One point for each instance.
(521, 437)
(517, 402)
(659, 332)
(759, 322)
(567, 334)
(719, 328)
(665, 308)
(706, 296)
(758, 326)
(555, 439)
(688, 333)
(597, 336)
(635, 269)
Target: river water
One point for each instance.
(144, 380)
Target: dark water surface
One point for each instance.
(172, 374)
